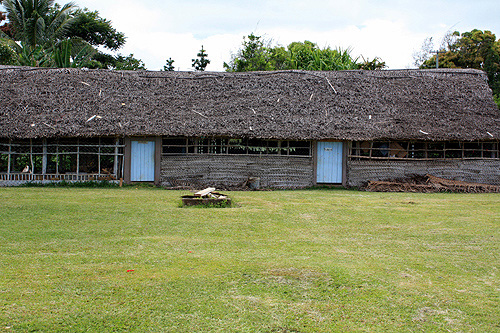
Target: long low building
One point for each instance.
(288, 129)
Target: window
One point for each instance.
(232, 146)
(423, 150)
(99, 156)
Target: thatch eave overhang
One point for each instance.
(432, 105)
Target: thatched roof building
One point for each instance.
(443, 104)
(287, 129)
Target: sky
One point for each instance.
(389, 29)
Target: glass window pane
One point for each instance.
(107, 150)
(453, 150)
(174, 141)
(472, 149)
(380, 149)
(52, 161)
(4, 160)
(300, 151)
(237, 149)
(89, 163)
(435, 150)
(490, 150)
(416, 150)
(18, 162)
(174, 150)
(109, 141)
(37, 163)
(107, 164)
(256, 146)
(237, 146)
(273, 147)
(67, 163)
(89, 149)
(299, 148)
(4, 147)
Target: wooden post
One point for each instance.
(9, 157)
(57, 158)
(31, 160)
(77, 158)
(99, 159)
(345, 152)
(126, 160)
(44, 156)
(115, 160)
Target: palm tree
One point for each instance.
(38, 25)
(38, 22)
(46, 34)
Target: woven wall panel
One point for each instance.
(8, 183)
(234, 170)
(477, 171)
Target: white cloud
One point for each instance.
(389, 29)
(391, 41)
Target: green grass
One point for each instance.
(286, 261)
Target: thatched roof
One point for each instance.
(349, 105)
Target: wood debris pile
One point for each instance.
(206, 197)
(429, 184)
(209, 193)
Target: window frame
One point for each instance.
(423, 150)
(180, 146)
(46, 156)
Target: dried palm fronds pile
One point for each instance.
(429, 184)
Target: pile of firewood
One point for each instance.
(209, 193)
(429, 184)
(207, 197)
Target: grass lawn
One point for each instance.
(100, 260)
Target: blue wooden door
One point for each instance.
(142, 163)
(329, 166)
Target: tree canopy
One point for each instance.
(169, 65)
(202, 61)
(43, 33)
(474, 49)
(95, 30)
(38, 22)
(252, 56)
(5, 27)
(257, 54)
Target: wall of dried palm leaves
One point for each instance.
(235, 171)
(476, 171)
